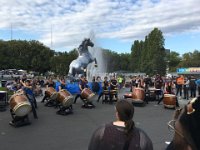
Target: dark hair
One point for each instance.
(98, 77)
(125, 113)
(28, 81)
(191, 123)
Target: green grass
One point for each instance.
(5, 89)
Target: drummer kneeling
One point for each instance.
(19, 109)
(86, 96)
(64, 102)
(169, 99)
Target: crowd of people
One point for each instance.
(185, 87)
(122, 134)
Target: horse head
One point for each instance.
(87, 42)
(186, 126)
(84, 45)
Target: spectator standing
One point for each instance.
(179, 85)
(192, 86)
(122, 133)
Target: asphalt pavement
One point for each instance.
(73, 132)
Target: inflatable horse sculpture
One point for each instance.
(79, 65)
(185, 126)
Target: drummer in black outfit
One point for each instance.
(105, 86)
(49, 83)
(147, 82)
(27, 87)
(133, 83)
(113, 87)
(62, 84)
(158, 85)
(82, 84)
(168, 88)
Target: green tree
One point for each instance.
(145, 58)
(28, 55)
(157, 55)
(124, 61)
(173, 61)
(149, 56)
(190, 59)
(136, 52)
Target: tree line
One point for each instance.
(151, 57)
(148, 56)
(34, 56)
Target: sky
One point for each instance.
(111, 24)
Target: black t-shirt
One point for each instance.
(147, 81)
(62, 86)
(111, 137)
(51, 84)
(113, 84)
(95, 86)
(105, 85)
(192, 83)
(83, 84)
(133, 82)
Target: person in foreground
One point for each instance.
(122, 133)
(185, 126)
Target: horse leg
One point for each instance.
(73, 72)
(95, 60)
(70, 70)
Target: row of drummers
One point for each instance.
(109, 90)
(143, 90)
(61, 96)
(64, 99)
(83, 89)
(23, 101)
(141, 95)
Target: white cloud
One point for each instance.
(72, 20)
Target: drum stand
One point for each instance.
(50, 102)
(19, 121)
(87, 104)
(63, 110)
(3, 101)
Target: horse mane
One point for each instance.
(83, 42)
(81, 46)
